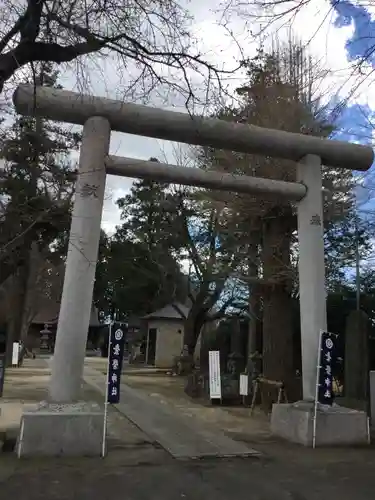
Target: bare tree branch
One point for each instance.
(17, 240)
(152, 34)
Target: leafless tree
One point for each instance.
(151, 36)
(265, 17)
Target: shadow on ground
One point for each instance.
(138, 469)
(127, 474)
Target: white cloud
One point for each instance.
(313, 25)
(222, 46)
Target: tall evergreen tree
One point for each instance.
(36, 189)
(279, 94)
(145, 215)
(142, 256)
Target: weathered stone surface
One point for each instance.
(335, 426)
(198, 386)
(195, 385)
(61, 429)
(180, 435)
(356, 356)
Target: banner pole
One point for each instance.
(106, 393)
(317, 390)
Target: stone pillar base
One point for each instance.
(49, 429)
(335, 425)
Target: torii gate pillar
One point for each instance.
(296, 422)
(65, 426)
(311, 270)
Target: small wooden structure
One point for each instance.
(261, 385)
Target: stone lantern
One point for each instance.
(45, 338)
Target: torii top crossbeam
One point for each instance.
(75, 108)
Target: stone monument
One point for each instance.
(356, 357)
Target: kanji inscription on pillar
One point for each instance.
(316, 220)
(88, 190)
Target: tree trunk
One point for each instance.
(254, 303)
(203, 356)
(235, 337)
(14, 324)
(277, 308)
(277, 336)
(192, 328)
(31, 293)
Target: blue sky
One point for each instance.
(338, 35)
(361, 43)
(357, 120)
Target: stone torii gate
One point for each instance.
(99, 117)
